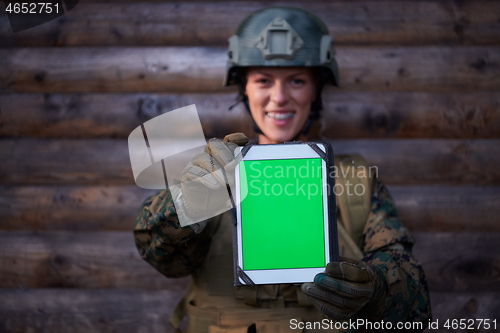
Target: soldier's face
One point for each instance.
(280, 100)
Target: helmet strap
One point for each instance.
(307, 126)
(305, 129)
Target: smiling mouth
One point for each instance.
(280, 115)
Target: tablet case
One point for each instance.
(239, 274)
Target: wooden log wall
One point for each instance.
(419, 98)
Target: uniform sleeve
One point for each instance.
(388, 245)
(173, 250)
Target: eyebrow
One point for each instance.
(258, 72)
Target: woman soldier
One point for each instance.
(280, 58)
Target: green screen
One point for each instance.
(282, 214)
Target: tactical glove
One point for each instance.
(204, 181)
(347, 288)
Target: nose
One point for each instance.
(279, 95)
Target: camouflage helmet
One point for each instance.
(281, 36)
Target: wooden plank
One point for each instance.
(186, 69)
(97, 260)
(36, 308)
(471, 306)
(84, 311)
(459, 261)
(448, 208)
(115, 208)
(345, 115)
(409, 115)
(65, 162)
(203, 24)
(71, 208)
(70, 310)
(397, 162)
(424, 162)
(111, 69)
(111, 115)
(133, 311)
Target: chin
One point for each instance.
(280, 137)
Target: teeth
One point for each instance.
(279, 115)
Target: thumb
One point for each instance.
(238, 138)
(359, 271)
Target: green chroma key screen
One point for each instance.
(282, 214)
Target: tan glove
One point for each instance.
(346, 288)
(204, 182)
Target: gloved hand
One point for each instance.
(204, 181)
(349, 287)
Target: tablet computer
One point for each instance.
(286, 228)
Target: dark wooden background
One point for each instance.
(419, 99)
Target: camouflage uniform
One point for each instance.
(177, 252)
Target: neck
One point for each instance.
(263, 140)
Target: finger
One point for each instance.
(342, 287)
(346, 303)
(355, 271)
(206, 161)
(331, 311)
(220, 151)
(200, 175)
(210, 165)
(238, 138)
(225, 156)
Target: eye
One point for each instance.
(262, 80)
(297, 82)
